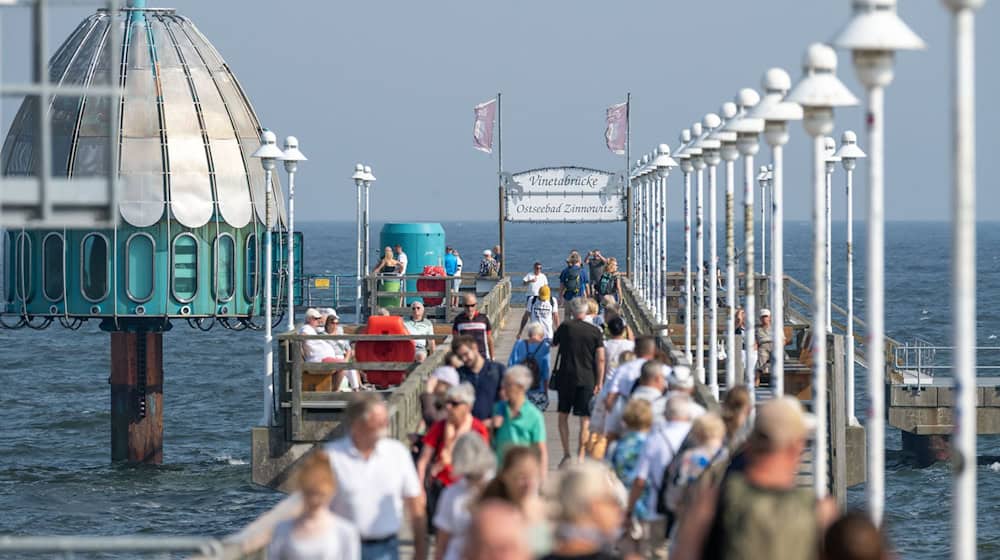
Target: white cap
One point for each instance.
(312, 313)
(680, 377)
(487, 253)
(447, 374)
(765, 312)
(329, 312)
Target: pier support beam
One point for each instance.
(137, 397)
(926, 450)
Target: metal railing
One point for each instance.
(153, 546)
(925, 359)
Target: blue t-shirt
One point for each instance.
(450, 264)
(539, 351)
(583, 280)
(487, 385)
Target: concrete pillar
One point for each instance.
(137, 397)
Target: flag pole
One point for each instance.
(502, 198)
(626, 185)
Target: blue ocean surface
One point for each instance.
(56, 478)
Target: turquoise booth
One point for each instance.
(423, 243)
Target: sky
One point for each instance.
(393, 84)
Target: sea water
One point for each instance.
(55, 475)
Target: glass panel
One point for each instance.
(142, 199)
(141, 155)
(191, 198)
(225, 263)
(8, 259)
(166, 53)
(96, 112)
(208, 53)
(250, 274)
(245, 126)
(52, 267)
(19, 144)
(213, 110)
(94, 263)
(231, 187)
(141, 251)
(65, 113)
(185, 275)
(22, 267)
(91, 159)
(58, 63)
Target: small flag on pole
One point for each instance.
(482, 130)
(617, 128)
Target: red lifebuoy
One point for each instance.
(428, 285)
(402, 351)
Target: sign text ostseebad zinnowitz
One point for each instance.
(564, 194)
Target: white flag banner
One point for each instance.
(482, 130)
(617, 130)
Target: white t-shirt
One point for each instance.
(339, 542)
(535, 282)
(316, 350)
(656, 455)
(695, 408)
(370, 491)
(542, 312)
(613, 348)
(628, 374)
(453, 516)
(423, 326)
(402, 263)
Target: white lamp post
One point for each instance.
(644, 280)
(366, 222)
(710, 153)
(730, 153)
(663, 164)
(777, 112)
(291, 156)
(269, 154)
(762, 181)
(818, 93)
(747, 128)
(686, 167)
(830, 147)
(874, 33)
(699, 228)
(849, 154)
(359, 181)
(963, 275)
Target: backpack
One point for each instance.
(572, 281)
(669, 474)
(606, 285)
(531, 363)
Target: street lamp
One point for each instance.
(359, 181)
(830, 147)
(776, 112)
(818, 93)
(699, 228)
(291, 157)
(268, 154)
(963, 274)
(366, 222)
(762, 180)
(644, 282)
(686, 167)
(663, 163)
(849, 154)
(729, 153)
(747, 128)
(710, 153)
(873, 34)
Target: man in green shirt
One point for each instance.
(516, 421)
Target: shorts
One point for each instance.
(575, 400)
(456, 286)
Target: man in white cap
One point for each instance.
(314, 350)
(680, 381)
(765, 345)
(489, 267)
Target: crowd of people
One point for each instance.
(653, 474)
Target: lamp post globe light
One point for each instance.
(686, 167)
(729, 153)
(830, 147)
(291, 156)
(664, 163)
(873, 34)
(747, 128)
(776, 112)
(963, 274)
(818, 93)
(849, 154)
(268, 153)
(359, 182)
(710, 153)
(699, 234)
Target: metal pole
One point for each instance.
(827, 222)
(367, 227)
(500, 194)
(656, 183)
(730, 274)
(749, 332)
(663, 251)
(687, 264)
(763, 226)
(875, 312)
(699, 357)
(291, 250)
(268, 346)
(629, 220)
(360, 184)
(648, 233)
(713, 273)
(964, 278)
(849, 334)
(819, 328)
(778, 270)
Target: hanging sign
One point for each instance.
(564, 194)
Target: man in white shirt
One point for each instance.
(315, 350)
(650, 386)
(416, 324)
(401, 257)
(616, 394)
(663, 442)
(543, 309)
(535, 280)
(376, 478)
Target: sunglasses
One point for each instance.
(454, 403)
(468, 305)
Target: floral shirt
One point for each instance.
(625, 460)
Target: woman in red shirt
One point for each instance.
(435, 458)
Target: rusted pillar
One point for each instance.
(137, 397)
